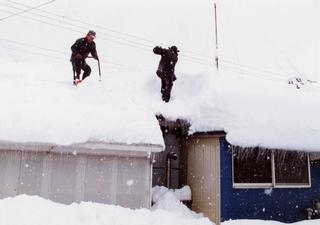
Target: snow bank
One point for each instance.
(32, 210)
(29, 210)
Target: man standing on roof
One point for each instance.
(80, 51)
(165, 72)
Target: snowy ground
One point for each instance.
(27, 210)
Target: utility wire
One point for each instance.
(63, 59)
(77, 31)
(33, 46)
(105, 28)
(102, 37)
(249, 73)
(32, 53)
(26, 10)
(52, 50)
(252, 68)
(78, 26)
(132, 44)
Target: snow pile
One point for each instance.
(169, 200)
(182, 194)
(29, 210)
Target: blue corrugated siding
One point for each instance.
(285, 205)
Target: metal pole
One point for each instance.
(90, 57)
(216, 34)
(99, 70)
(170, 156)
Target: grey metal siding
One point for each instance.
(68, 178)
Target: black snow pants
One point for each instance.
(166, 87)
(78, 65)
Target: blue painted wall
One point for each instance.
(285, 205)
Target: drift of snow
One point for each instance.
(33, 210)
(170, 200)
(182, 194)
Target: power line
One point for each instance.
(132, 44)
(52, 50)
(249, 73)
(105, 28)
(191, 59)
(108, 29)
(75, 25)
(33, 46)
(252, 68)
(74, 30)
(26, 10)
(32, 53)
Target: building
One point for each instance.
(231, 182)
(111, 173)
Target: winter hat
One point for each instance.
(174, 48)
(91, 33)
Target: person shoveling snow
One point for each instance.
(165, 72)
(80, 51)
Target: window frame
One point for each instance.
(273, 173)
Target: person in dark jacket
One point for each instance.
(165, 72)
(80, 51)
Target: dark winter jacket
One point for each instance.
(168, 60)
(82, 47)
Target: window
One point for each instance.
(252, 166)
(291, 168)
(264, 168)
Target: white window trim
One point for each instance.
(273, 173)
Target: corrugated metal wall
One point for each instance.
(203, 175)
(68, 178)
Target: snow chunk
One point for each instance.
(170, 200)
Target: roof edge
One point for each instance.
(88, 148)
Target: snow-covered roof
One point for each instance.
(41, 105)
(252, 111)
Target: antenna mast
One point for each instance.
(216, 33)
